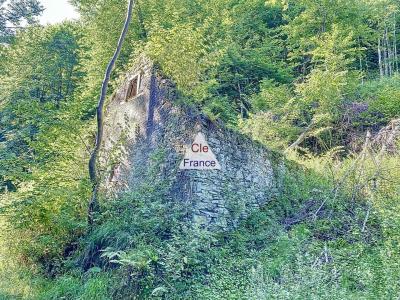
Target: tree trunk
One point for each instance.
(385, 60)
(360, 61)
(93, 205)
(396, 63)
(380, 57)
(388, 53)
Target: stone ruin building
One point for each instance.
(142, 121)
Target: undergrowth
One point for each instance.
(306, 244)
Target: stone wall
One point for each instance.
(151, 125)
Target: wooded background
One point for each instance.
(317, 80)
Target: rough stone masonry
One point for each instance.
(143, 124)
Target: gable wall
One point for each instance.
(151, 126)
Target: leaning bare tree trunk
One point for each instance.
(93, 205)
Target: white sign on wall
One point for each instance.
(199, 156)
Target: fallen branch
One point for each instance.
(301, 138)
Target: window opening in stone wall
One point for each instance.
(133, 88)
(115, 173)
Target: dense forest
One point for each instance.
(315, 80)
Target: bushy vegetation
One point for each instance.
(317, 80)
(293, 248)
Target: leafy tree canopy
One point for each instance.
(17, 13)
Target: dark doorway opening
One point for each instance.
(133, 88)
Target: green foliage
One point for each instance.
(43, 172)
(382, 100)
(134, 237)
(14, 13)
(70, 287)
(176, 49)
(281, 250)
(277, 71)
